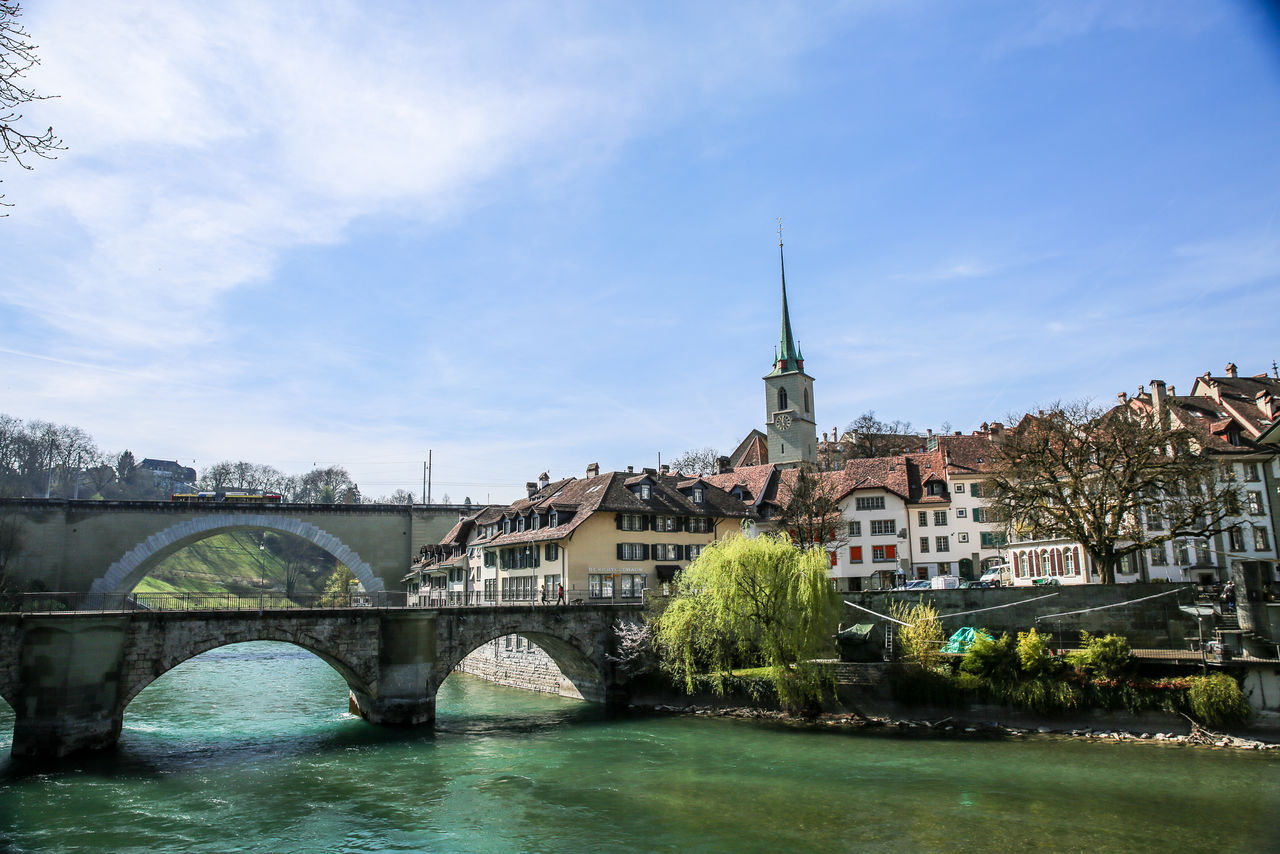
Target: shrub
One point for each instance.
(1102, 658)
(1033, 654)
(994, 660)
(922, 638)
(1043, 695)
(1216, 699)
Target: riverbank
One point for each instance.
(957, 727)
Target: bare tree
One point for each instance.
(811, 507)
(17, 56)
(697, 461)
(1115, 482)
(868, 436)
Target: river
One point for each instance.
(249, 749)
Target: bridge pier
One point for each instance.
(406, 687)
(70, 672)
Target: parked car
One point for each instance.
(922, 584)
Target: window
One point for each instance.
(1250, 471)
(553, 519)
(936, 487)
(631, 522)
(631, 586)
(883, 553)
(782, 398)
(506, 526)
(991, 540)
(1253, 501)
(943, 544)
(667, 551)
(875, 502)
(490, 558)
(535, 522)
(855, 529)
(1202, 553)
(1236, 538)
(698, 525)
(633, 551)
(1068, 563)
(520, 524)
(1260, 543)
(1158, 555)
(806, 400)
(697, 495)
(975, 490)
(550, 583)
(490, 589)
(959, 512)
(834, 559)
(1180, 555)
(959, 487)
(666, 523)
(883, 526)
(600, 586)
(693, 552)
(963, 536)
(646, 491)
(924, 545)
(855, 554)
(939, 517)
(980, 515)
(1155, 522)
(553, 551)
(922, 518)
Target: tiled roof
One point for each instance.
(753, 479)
(751, 451)
(609, 493)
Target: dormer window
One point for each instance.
(534, 522)
(645, 491)
(553, 519)
(506, 526)
(697, 495)
(520, 524)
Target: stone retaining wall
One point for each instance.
(517, 662)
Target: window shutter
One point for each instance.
(682, 524)
(644, 552)
(855, 554)
(891, 552)
(617, 518)
(688, 552)
(619, 551)
(833, 558)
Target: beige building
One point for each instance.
(602, 537)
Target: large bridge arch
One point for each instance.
(125, 573)
(140, 677)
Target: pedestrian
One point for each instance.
(559, 594)
(1229, 597)
(544, 595)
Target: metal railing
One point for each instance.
(56, 602)
(45, 603)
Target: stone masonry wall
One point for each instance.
(517, 662)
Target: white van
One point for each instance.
(999, 576)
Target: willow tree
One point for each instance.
(1117, 482)
(752, 601)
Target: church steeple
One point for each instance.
(788, 357)
(788, 391)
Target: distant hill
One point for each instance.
(230, 563)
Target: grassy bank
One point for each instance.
(227, 563)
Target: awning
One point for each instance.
(667, 572)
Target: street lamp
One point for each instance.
(262, 570)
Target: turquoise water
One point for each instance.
(249, 749)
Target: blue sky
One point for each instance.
(533, 236)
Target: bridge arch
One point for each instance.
(145, 674)
(123, 575)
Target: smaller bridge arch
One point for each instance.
(124, 574)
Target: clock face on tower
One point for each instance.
(782, 421)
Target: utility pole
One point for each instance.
(428, 476)
(423, 494)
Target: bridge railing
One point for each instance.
(471, 598)
(45, 603)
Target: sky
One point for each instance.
(527, 236)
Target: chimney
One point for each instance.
(928, 431)
(996, 429)
(1158, 400)
(722, 465)
(531, 488)
(646, 470)
(631, 469)
(1173, 392)
(1231, 370)
(593, 469)
(1266, 403)
(666, 469)
(543, 480)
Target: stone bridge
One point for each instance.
(70, 676)
(109, 546)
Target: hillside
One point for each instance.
(230, 563)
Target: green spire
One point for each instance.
(788, 358)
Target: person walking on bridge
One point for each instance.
(559, 594)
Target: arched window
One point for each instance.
(806, 401)
(1068, 563)
(782, 398)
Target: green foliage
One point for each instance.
(1033, 655)
(760, 601)
(1216, 699)
(337, 587)
(919, 686)
(1044, 695)
(1106, 657)
(993, 660)
(922, 638)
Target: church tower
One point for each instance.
(788, 395)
